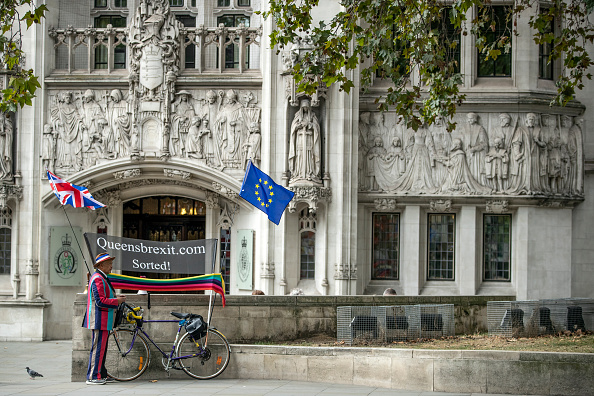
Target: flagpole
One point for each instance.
(211, 302)
(75, 237)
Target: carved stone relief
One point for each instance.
(384, 204)
(487, 154)
(127, 174)
(497, 206)
(310, 195)
(177, 174)
(6, 155)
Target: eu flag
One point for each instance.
(261, 191)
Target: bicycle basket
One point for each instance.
(196, 326)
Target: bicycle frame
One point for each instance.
(170, 357)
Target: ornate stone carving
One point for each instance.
(310, 195)
(500, 153)
(127, 174)
(227, 192)
(212, 200)
(383, 204)
(226, 218)
(177, 174)
(497, 206)
(110, 198)
(267, 271)
(8, 192)
(441, 205)
(549, 203)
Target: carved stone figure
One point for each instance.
(396, 154)
(504, 131)
(378, 128)
(6, 136)
(182, 114)
(92, 112)
(460, 179)
(572, 135)
(497, 160)
(442, 141)
(305, 145)
(118, 143)
(519, 162)
(553, 142)
(537, 154)
(95, 149)
(227, 130)
(69, 124)
(194, 145)
(477, 145)
(48, 148)
(375, 155)
(209, 113)
(251, 149)
(418, 176)
(364, 120)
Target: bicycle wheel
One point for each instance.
(200, 361)
(127, 355)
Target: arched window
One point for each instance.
(5, 239)
(307, 246)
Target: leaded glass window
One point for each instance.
(232, 50)
(441, 229)
(307, 244)
(545, 68)
(5, 240)
(500, 67)
(225, 248)
(385, 249)
(497, 247)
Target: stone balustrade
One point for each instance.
(76, 48)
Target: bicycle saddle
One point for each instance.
(181, 315)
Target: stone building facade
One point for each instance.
(156, 106)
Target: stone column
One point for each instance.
(412, 264)
(212, 217)
(468, 267)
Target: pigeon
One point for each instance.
(33, 373)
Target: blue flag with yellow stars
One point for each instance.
(261, 191)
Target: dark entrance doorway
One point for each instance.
(164, 219)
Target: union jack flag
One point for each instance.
(71, 194)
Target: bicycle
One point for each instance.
(203, 353)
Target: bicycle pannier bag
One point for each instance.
(196, 326)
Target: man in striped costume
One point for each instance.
(101, 306)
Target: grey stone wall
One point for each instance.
(248, 319)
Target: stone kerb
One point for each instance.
(500, 372)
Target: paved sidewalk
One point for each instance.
(53, 360)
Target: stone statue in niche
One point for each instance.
(69, 124)
(477, 145)
(251, 149)
(305, 146)
(460, 179)
(48, 148)
(375, 155)
(497, 160)
(6, 136)
(227, 130)
(572, 134)
(364, 120)
(553, 142)
(117, 143)
(182, 114)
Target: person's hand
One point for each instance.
(121, 299)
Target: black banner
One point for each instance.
(187, 257)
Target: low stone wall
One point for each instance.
(248, 319)
(500, 372)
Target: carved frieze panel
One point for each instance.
(384, 204)
(512, 154)
(8, 192)
(497, 206)
(441, 205)
(127, 174)
(177, 174)
(227, 192)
